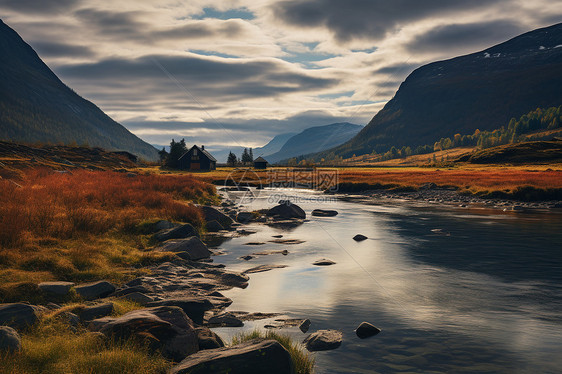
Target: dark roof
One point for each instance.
(204, 151)
(260, 159)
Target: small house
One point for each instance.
(197, 159)
(260, 163)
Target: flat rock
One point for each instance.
(96, 290)
(305, 325)
(18, 315)
(225, 320)
(323, 340)
(252, 357)
(96, 311)
(180, 232)
(286, 210)
(166, 329)
(193, 307)
(324, 213)
(286, 241)
(247, 257)
(10, 341)
(56, 288)
(254, 243)
(323, 262)
(137, 297)
(283, 252)
(189, 249)
(262, 268)
(359, 237)
(366, 330)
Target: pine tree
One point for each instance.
(245, 157)
(163, 155)
(251, 155)
(177, 149)
(232, 159)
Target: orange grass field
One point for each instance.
(84, 225)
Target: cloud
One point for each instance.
(39, 7)
(366, 19)
(468, 35)
(54, 49)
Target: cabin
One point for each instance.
(260, 163)
(197, 159)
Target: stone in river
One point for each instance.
(366, 330)
(359, 237)
(323, 340)
(323, 262)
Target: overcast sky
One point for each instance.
(236, 73)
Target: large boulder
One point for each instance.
(324, 213)
(9, 339)
(212, 214)
(189, 249)
(252, 357)
(286, 210)
(166, 329)
(244, 217)
(193, 307)
(96, 311)
(96, 290)
(366, 330)
(56, 288)
(180, 232)
(18, 315)
(213, 226)
(208, 339)
(323, 340)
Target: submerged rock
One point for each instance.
(305, 325)
(252, 357)
(359, 237)
(10, 340)
(324, 213)
(323, 262)
(366, 330)
(262, 268)
(323, 340)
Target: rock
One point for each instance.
(226, 320)
(286, 210)
(180, 232)
(323, 340)
(212, 214)
(130, 289)
(323, 262)
(189, 249)
(305, 325)
(165, 328)
(366, 330)
(262, 268)
(56, 288)
(213, 226)
(286, 241)
(96, 290)
(277, 236)
(208, 339)
(96, 311)
(252, 357)
(164, 225)
(247, 257)
(193, 307)
(324, 213)
(72, 319)
(18, 315)
(359, 238)
(9, 339)
(244, 217)
(138, 298)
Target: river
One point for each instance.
(454, 290)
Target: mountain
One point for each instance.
(35, 106)
(483, 90)
(315, 139)
(273, 146)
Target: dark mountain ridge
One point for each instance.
(483, 90)
(37, 107)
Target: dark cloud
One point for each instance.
(53, 49)
(396, 69)
(204, 78)
(465, 36)
(40, 7)
(366, 19)
(201, 29)
(117, 24)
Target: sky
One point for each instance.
(236, 73)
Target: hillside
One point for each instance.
(315, 139)
(481, 91)
(35, 106)
(520, 153)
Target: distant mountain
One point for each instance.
(315, 139)
(273, 146)
(35, 106)
(482, 91)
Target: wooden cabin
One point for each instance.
(197, 159)
(260, 163)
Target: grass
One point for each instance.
(303, 363)
(84, 226)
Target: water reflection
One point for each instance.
(485, 298)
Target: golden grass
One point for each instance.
(303, 362)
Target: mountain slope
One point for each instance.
(272, 146)
(482, 90)
(35, 106)
(315, 139)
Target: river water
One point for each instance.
(454, 290)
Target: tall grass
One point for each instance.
(303, 363)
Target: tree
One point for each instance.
(177, 149)
(251, 155)
(163, 156)
(232, 159)
(245, 157)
